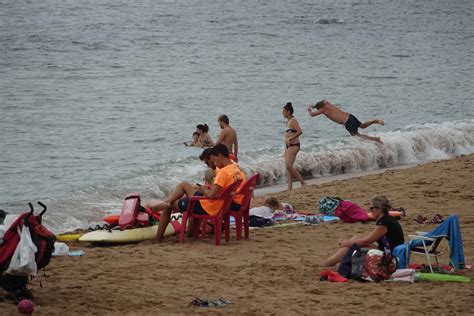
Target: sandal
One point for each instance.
(437, 219)
(209, 303)
(420, 219)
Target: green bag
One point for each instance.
(327, 205)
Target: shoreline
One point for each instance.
(277, 270)
(281, 187)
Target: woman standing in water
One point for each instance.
(205, 139)
(292, 142)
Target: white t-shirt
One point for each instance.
(262, 211)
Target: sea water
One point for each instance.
(97, 97)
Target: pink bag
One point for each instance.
(128, 215)
(350, 212)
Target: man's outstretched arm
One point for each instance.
(318, 112)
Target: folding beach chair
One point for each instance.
(427, 244)
(427, 248)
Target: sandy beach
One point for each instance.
(277, 270)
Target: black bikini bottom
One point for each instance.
(297, 144)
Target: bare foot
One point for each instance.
(381, 122)
(157, 241)
(379, 140)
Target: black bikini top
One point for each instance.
(291, 130)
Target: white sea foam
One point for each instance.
(412, 145)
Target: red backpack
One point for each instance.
(41, 237)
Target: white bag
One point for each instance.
(23, 260)
(60, 249)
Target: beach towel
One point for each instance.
(449, 229)
(350, 212)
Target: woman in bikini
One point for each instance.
(205, 139)
(292, 142)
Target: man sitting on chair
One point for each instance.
(227, 173)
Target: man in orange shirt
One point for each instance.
(227, 173)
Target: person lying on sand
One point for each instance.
(386, 226)
(263, 215)
(394, 212)
(351, 123)
(266, 210)
(227, 173)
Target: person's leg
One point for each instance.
(157, 205)
(184, 188)
(289, 177)
(181, 189)
(336, 258)
(374, 138)
(290, 157)
(164, 221)
(368, 123)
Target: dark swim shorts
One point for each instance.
(183, 205)
(352, 125)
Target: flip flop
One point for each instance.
(437, 219)
(420, 219)
(209, 303)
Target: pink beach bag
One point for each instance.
(350, 212)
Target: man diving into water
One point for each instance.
(350, 122)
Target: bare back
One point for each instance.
(334, 113)
(228, 137)
(292, 127)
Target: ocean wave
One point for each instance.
(412, 145)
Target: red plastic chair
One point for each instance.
(225, 194)
(243, 213)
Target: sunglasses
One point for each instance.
(373, 208)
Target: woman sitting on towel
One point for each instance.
(386, 226)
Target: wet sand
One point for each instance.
(276, 271)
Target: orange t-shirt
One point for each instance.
(225, 177)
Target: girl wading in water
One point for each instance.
(292, 142)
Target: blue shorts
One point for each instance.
(184, 202)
